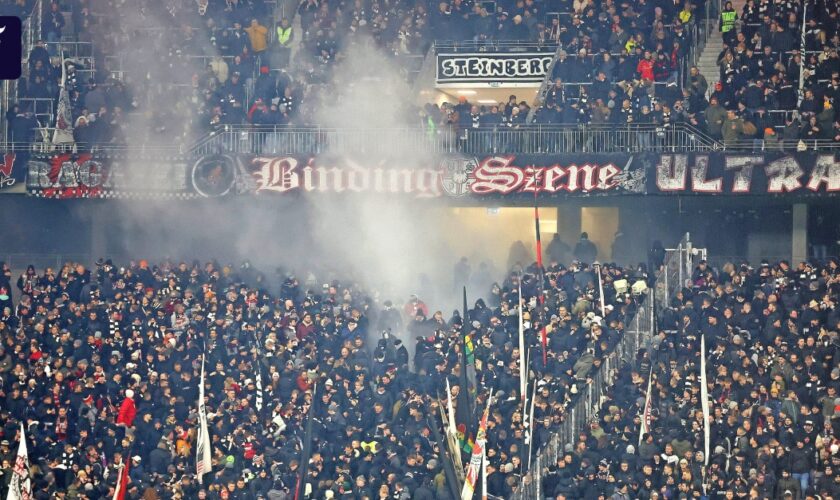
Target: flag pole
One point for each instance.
(20, 486)
(540, 271)
(704, 399)
(523, 367)
(483, 473)
(306, 449)
(203, 453)
(452, 479)
(531, 427)
(645, 425)
(464, 362)
(601, 293)
(474, 467)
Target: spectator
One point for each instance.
(256, 435)
(732, 129)
(284, 37)
(585, 250)
(258, 36)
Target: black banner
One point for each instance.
(486, 67)
(83, 175)
(454, 176)
(744, 174)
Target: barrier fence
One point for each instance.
(638, 333)
(523, 140)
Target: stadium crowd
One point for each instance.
(102, 366)
(773, 382)
(232, 64)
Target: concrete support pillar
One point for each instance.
(98, 233)
(799, 233)
(568, 223)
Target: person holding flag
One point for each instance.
(20, 486)
(475, 465)
(122, 480)
(203, 454)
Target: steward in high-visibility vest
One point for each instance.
(284, 33)
(685, 14)
(728, 17)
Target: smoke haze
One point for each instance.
(393, 245)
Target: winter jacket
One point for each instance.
(128, 410)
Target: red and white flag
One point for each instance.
(122, 481)
(203, 456)
(63, 118)
(474, 467)
(20, 487)
(704, 399)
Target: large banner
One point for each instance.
(484, 67)
(12, 169)
(456, 177)
(743, 174)
(84, 175)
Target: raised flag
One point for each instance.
(644, 428)
(450, 411)
(122, 481)
(523, 367)
(306, 449)
(20, 486)
(474, 466)
(529, 431)
(203, 454)
(704, 399)
(258, 403)
(540, 276)
(601, 292)
(464, 413)
(63, 118)
(452, 467)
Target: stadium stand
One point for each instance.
(771, 335)
(640, 64)
(101, 365)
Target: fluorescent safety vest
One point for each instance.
(283, 35)
(727, 20)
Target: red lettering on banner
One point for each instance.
(7, 165)
(496, 175)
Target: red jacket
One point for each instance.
(645, 69)
(128, 410)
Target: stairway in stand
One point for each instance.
(707, 63)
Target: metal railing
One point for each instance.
(544, 86)
(493, 46)
(19, 261)
(677, 269)
(524, 140)
(585, 409)
(761, 145)
(46, 146)
(582, 411)
(31, 33)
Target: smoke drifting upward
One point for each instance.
(391, 244)
(161, 61)
(369, 92)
